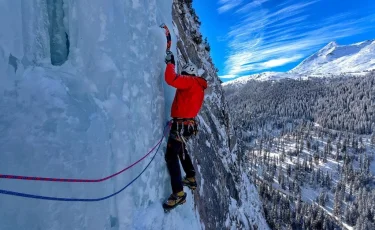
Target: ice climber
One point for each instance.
(186, 105)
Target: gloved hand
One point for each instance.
(169, 58)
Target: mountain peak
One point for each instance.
(331, 44)
(336, 59)
(328, 48)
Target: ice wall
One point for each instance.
(82, 96)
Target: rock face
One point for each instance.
(225, 197)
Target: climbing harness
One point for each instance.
(32, 196)
(182, 130)
(189, 126)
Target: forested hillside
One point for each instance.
(310, 149)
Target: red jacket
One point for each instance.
(189, 95)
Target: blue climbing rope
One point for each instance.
(32, 196)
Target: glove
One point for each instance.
(169, 58)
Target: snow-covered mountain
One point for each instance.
(82, 95)
(332, 60)
(336, 59)
(258, 77)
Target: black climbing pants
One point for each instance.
(176, 151)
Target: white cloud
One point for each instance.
(273, 37)
(227, 5)
(280, 61)
(251, 5)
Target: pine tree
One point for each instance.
(322, 199)
(337, 205)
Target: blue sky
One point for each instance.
(253, 36)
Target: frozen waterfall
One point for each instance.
(82, 95)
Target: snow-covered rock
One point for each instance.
(228, 200)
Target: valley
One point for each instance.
(310, 148)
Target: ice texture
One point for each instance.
(82, 95)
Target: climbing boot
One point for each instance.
(174, 200)
(190, 182)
